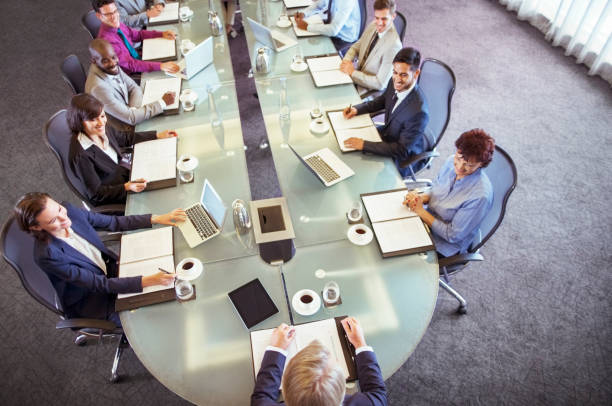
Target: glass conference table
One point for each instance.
(200, 349)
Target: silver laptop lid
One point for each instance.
(199, 57)
(213, 204)
(262, 33)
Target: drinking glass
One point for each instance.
(356, 211)
(331, 293)
(183, 289)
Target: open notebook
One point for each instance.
(143, 253)
(313, 19)
(158, 49)
(169, 15)
(398, 230)
(329, 332)
(154, 89)
(325, 70)
(360, 126)
(155, 162)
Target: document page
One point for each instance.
(170, 13)
(146, 244)
(145, 268)
(154, 89)
(330, 77)
(402, 234)
(324, 63)
(158, 48)
(260, 339)
(387, 206)
(313, 19)
(365, 133)
(297, 3)
(154, 160)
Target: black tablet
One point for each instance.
(253, 303)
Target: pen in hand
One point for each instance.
(163, 270)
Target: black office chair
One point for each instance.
(74, 74)
(502, 174)
(17, 249)
(400, 25)
(437, 82)
(57, 135)
(91, 23)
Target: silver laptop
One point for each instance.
(271, 38)
(205, 218)
(195, 60)
(326, 166)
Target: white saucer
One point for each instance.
(299, 67)
(189, 274)
(285, 24)
(306, 309)
(360, 239)
(319, 128)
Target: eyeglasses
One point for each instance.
(112, 13)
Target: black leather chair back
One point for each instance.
(17, 251)
(74, 74)
(57, 135)
(437, 81)
(400, 25)
(363, 9)
(502, 174)
(90, 22)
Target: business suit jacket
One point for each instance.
(134, 12)
(403, 133)
(126, 107)
(82, 287)
(102, 178)
(374, 70)
(373, 392)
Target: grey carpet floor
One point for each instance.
(539, 325)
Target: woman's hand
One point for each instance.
(138, 185)
(167, 134)
(170, 219)
(159, 278)
(414, 201)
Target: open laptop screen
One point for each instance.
(213, 203)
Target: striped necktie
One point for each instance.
(328, 19)
(129, 46)
(369, 50)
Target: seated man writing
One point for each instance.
(81, 269)
(312, 376)
(341, 18)
(122, 39)
(136, 13)
(460, 196)
(121, 96)
(406, 113)
(374, 51)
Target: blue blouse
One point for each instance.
(459, 207)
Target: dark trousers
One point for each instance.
(341, 45)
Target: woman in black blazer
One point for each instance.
(97, 152)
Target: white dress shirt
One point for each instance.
(85, 247)
(86, 142)
(402, 95)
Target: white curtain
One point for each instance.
(582, 27)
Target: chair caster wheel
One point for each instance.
(114, 378)
(81, 340)
(462, 310)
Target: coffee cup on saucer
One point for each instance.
(306, 302)
(185, 13)
(360, 234)
(319, 126)
(189, 269)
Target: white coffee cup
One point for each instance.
(185, 13)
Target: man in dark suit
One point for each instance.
(312, 377)
(82, 270)
(406, 113)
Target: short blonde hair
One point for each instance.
(312, 378)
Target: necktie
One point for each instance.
(129, 46)
(328, 19)
(390, 111)
(369, 50)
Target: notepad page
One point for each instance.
(387, 206)
(402, 234)
(146, 268)
(338, 122)
(260, 339)
(313, 19)
(146, 244)
(365, 133)
(330, 77)
(158, 48)
(154, 89)
(297, 3)
(324, 63)
(154, 160)
(327, 333)
(170, 13)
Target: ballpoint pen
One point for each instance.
(163, 270)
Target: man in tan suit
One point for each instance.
(374, 51)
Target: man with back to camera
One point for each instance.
(122, 39)
(374, 51)
(312, 376)
(341, 20)
(136, 13)
(406, 113)
(121, 96)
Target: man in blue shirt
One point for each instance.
(461, 195)
(341, 18)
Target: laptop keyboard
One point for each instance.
(322, 168)
(201, 221)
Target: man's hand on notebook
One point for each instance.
(137, 185)
(349, 112)
(348, 68)
(168, 98)
(282, 336)
(170, 67)
(354, 332)
(169, 34)
(155, 10)
(169, 219)
(354, 142)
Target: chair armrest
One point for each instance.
(376, 113)
(117, 209)
(110, 237)
(460, 259)
(420, 157)
(371, 93)
(87, 323)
